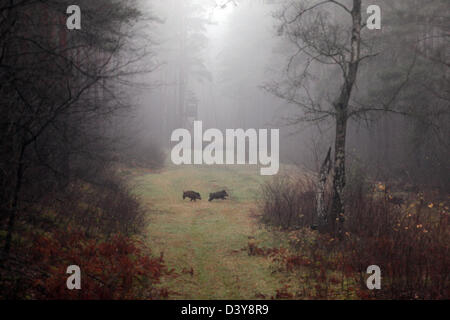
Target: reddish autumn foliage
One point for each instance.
(409, 243)
(120, 268)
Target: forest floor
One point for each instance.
(209, 238)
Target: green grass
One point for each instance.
(208, 236)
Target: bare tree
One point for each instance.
(322, 43)
(58, 90)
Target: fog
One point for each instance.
(222, 64)
(214, 67)
(117, 116)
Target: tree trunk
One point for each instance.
(14, 204)
(321, 214)
(338, 209)
(341, 108)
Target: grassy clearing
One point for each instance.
(208, 236)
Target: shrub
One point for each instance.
(90, 224)
(288, 202)
(99, 208)
(121, 268)
(410, 244)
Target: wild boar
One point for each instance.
(192, 195)
(218, 195)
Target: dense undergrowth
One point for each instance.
(96, 226)
(409, 242)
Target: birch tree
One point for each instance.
(327, 36)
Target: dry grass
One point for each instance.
(209, 237)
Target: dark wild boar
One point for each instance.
(192, 195)
(218, 195)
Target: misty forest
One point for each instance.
(91, 93)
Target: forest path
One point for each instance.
(207, 236)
